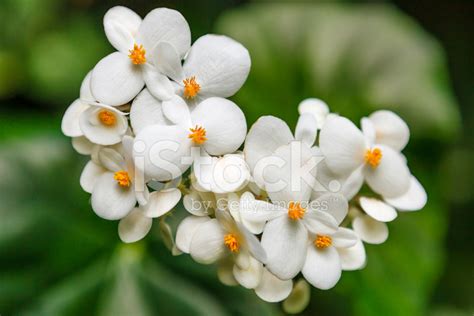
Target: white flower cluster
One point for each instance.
(155, 120)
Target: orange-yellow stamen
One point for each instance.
(231, 242)
(191, 88)
(198, 135)
(107, 118)
(122, 178)
(373, 157)
(137, 55)
(322, 241)
(295, 211)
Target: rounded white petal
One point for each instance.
(255, 213)
(334, 204)
(353, 258)
(158, 84)
(159, 149)
(85, 93)
(195, 205)
(264, 137)
(370, 230)
(186, 230)
(70, 123)
(224, 123)
(343, 145)
(377, 209)
(134, 226)
(207, 245)
(99, 133)
(413, 200)
(344, 238)
(177, 111)
(368, 129)
(165, 25)
(317, 108)
(319, 222)
(146, 110)
(110, 159)
(82, 145)
(220, 64)
(161, 202)
(249, 278)
(391, 178)
(111, 201)
(121, 26)
(167, 60)
(353, 184)
(322, 267)
(390, 129)
(306, 129)
(90, 174)
(116, 80)
(285, 241)
(271, 289)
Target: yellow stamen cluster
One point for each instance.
(137, 55)
(107, 118)
(322, 241)
(231, 242)
(295, 211)
(198, 135)
(122, 178)
(191, 88)
(373, 157)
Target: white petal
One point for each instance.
(161, 202)
(342, 144)
(121, 26)
(370, 230)
(377, 209)
(116, 80)
(264, 137)
(207, 245)
(220, 64)
(111, 201)
(225, 273)
(165, 25)
(134, 226)
(85, 92)
(344, 238)
(89, 176)
(82, 145)
(353, 258)
(224, 123)
(322, 268)
(145, 111)
(368, 129)
(390, 129)
(99, 133)
(413, 200)
(252, 244)
(332, 203)
(158, 84)
(284, 242)
(111, 159)
(306, 129)
(249, 278)
(70, 123)
(353, 184)
(159, 149)
(391, 178)
(195, 205)
(186, 230)
(271, 289)
(317, 108)
(319, 222)
(256, 213)
(283, 181)
(177, 111)
(167, 60)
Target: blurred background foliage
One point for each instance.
(58, 258)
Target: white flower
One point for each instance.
(216, 66)
(387, 128)
(211, 239)
(323, 264)
(347, 150)
(99, 123)
(143, 47)
(217, 126)
(371, 227)
(317, 108)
